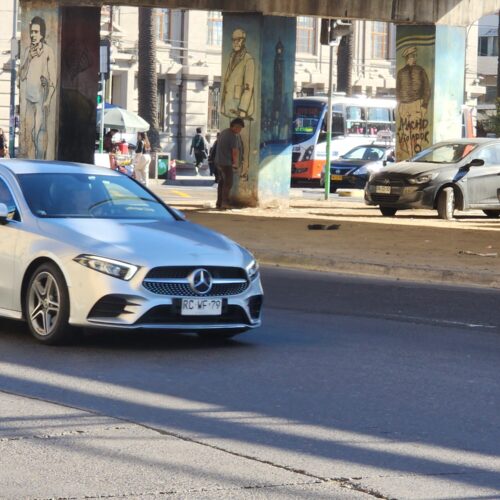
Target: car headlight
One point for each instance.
(114, 268)
(253, 270)
(422, 179)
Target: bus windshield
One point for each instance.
(306, 118)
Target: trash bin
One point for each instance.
(163, 163)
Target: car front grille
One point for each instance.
(174, 281)
(384, 198)
(184, 289)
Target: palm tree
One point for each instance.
(344, 64)
(147, 79)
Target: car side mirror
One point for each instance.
(476, 162)
(4, 213)
(384, 163)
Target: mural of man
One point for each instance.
(38, 78)
(413, 92)
(237, 100)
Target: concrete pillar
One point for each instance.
(58, 81)
(430, 65)
(258, 58)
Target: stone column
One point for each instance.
(58, 81)
(257, 85)
(430, 66)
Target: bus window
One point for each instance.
(337, 126)
(305, 121)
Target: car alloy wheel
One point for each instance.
(47, 305)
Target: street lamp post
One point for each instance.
(13, 57)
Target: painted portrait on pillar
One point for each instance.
(414, 95)
(238, 98)
(38, 82)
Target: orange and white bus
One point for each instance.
(355, 121)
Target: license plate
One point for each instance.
(201, 307)
(383, 189)
(336, 177)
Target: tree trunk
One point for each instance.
(344, 65)
(147, 78)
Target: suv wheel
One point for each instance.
(388, 211)
(446, 203)
(492, 214)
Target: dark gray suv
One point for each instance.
(463, 174)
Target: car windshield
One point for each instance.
(87, 196)
(370, 153)
(445, 153)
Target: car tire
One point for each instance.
(46, 306)
(333, 190)
(492, 214)
(388, 211)
(446, 203)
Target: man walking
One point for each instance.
(200, 148)
(228, 158)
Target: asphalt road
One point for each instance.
(353, 388)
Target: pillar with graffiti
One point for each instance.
(58, 81)
(257, 86)
(430, 69)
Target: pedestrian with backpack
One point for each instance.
(200, 148)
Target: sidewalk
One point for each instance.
(350, 237)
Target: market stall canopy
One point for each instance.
(122, 119)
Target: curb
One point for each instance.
(373, 269)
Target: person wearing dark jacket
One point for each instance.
(211, 159)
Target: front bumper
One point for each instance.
(98, 300)
(400, 196)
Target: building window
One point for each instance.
(379, 40)
(213, 106)
(306, 35)
(214, 34)
(488, 46)
(162, 24)
(161, 103)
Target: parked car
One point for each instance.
(84, 246)
(462, 174)
(353, 169)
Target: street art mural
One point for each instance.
(238, 89)
(415, 70)
(278, 60)
(258, 65)
(38, 83)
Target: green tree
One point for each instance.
(147, 78)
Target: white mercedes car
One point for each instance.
(83, 246)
